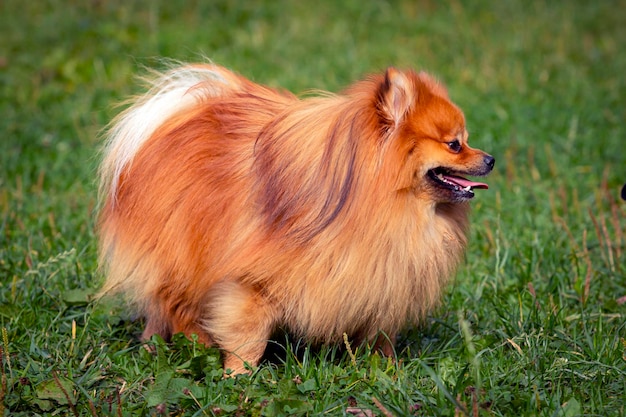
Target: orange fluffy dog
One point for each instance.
(230, 208)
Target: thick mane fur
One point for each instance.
(309, 169)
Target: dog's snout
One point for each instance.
(489, 161)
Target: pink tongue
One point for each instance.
(464, 182)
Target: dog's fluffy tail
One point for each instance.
(171, 92)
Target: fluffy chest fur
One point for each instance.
(367, 279)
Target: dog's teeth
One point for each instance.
(468, 188)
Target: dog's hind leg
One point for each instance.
(166, 322)
(241, 322)
(157, 325)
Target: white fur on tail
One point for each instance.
(170, 93)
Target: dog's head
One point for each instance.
(431, 138)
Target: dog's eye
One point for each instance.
(455, 146)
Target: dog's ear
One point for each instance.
(396, 95)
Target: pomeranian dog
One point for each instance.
(230, 209)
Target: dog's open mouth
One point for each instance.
(453, 182)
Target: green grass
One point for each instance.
(532, 325)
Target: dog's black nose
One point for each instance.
(490, 161)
